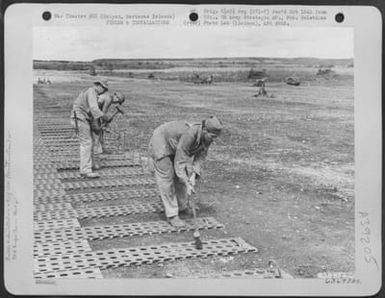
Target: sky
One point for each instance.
(85, 43)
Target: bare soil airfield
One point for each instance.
(281, 176)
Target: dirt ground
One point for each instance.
(281, 176)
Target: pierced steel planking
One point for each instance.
(91, 273)
(75, 157)
(60, 141)
(134, 207)
(123, 230)
(106, 183)
(51, 207)
(56, 224)
(61, 248)
(59, 214)
(48, 193)
(130, 171)
(47, 185)
(114, 258)
(74, 165)
(99, 196)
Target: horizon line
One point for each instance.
(196, 58)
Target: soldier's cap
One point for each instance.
(213, 125)
(103, 83)
(120, 96)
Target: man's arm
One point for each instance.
(182, 156)
(107, 103)
(198, 160)
(93, 103)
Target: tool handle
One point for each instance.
(192, 203)
(76, 124)
(193, 178)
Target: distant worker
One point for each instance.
(86, 118)
(173, 146)
(209, 80)
(261, 84)
(105, 101)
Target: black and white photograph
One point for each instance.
(193, 151)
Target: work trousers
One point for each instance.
(172, 190)
(87, 142)
(98, 148)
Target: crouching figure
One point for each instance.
(173, 146)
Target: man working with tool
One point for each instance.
(86, 117)
(172, 147)
(105, 101)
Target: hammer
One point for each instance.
(104, 125)
(118, 110)
(196, 235)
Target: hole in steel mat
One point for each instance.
(237, 274)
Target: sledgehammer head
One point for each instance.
(197, 238)
(119, 110)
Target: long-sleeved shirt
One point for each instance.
(104, 102)
(183, 142)
(86, 105)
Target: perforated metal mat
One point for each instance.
(60, 248)
(42, 185)
(48, 193)
(77, 273)
(61, 142)
(99, 196)
(123, 230)
(96, 183)
(51, 207)
(74, 157)
(58, 214)
(105, 211)
(60, 136)
(114, 258)
(74, 165)
(109, 172)
(56, 224)
(55, 130)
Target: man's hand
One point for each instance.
(95, 126)
(192, 179)
(106, 119)
(190, 189)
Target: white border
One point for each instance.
(19, 21)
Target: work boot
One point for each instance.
(176, 222)
(89, 175)
(185, 213)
